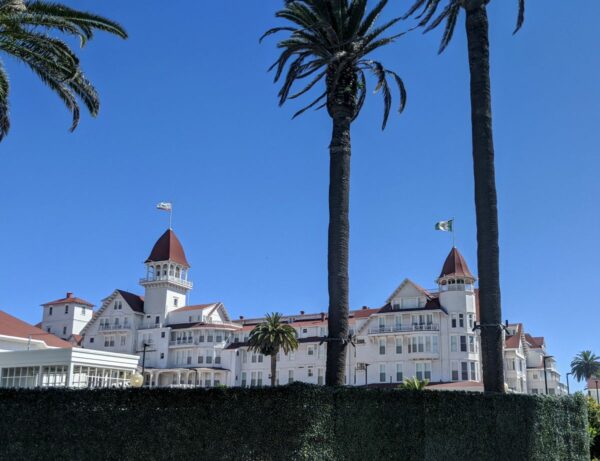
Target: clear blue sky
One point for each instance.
(189, 114)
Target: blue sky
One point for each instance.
(189, 114)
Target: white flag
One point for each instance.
(166, 206)
(445, 226)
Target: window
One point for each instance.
(244, 356)
(253, 379)
(381, 323)
(382, 373)
(473, 373)
(162, 355)
(209, 336)
(534, 391)
(311, 350)
(398, 345)
(454, 320)
(209, 359)
(64, 330)
(461, 320)
(399, 375)
(162, 334)
(290, 376)
(109, 341)
(463, 344)
(470, 321)
(423, 370)
(201, 338)
(398, 322)
(200, 359)
(243, 379)
(253, 358)
(310, 373)
(260, 358)
(535, 376)
(382, 346)
(454, 371)
(472, 347)
(464, 371)
(123, 340)
(48, 329)
(157, 320)
(83, 311)
(219, 336)
(320, 375)
(217, 358)
(50, 311)
(175, 301)
(259, 381)
(92, 340)
(67, 309)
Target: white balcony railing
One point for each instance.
(114, 326)
(167, 278)
(405, 328)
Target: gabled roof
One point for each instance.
(168, 248)
(535, 342)
(403, 284)
(136, 302)
(514, 341)
(70, 299)
(455, 265)
(12, 326)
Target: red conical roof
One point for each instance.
(168, 248)
(456, 265)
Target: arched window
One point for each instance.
(178, 272)
(164, 270)
(157, 272)
(171, 270)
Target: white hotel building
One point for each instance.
(417, 332)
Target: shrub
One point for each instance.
(296, 422)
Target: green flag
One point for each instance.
(445, 226)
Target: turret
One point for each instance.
(66, 316)
(166, 283)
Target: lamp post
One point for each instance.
(568, 388)
(597, 398)
(367, 375)
(545, 375)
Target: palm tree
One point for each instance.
(271, 336)
(24, 35)
(414, 384)
(328, 44)
(483, 167)
(585, 365)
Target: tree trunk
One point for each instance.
(273, 369)
(337, 251)
(485, 200)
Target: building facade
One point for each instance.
(428, 334)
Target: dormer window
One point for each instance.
(67, 309)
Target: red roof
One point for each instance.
(12, 326)
(536, 342)
(70, 299)
(196, 307)
(168, 248)
(456, 265)
(513, 341)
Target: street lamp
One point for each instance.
(367, 374)
(545, 375)
(568, 388)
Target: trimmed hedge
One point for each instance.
(296, 422)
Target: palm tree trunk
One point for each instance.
(337, 251)
(485, 200)
(273, 369)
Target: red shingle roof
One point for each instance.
(513, 341)
(196, 307)
(168, 248)
(456, 265)
(12, 326)
(70, 299)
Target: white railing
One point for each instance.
(167, 278)
(150, 326)
(114, 326)
(177, 342)
(405, 328)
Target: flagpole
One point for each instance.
(453, 234)
(171, 217)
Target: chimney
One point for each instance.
(241, 317)
(301, 312)
(69, 294)
(364, 308)
(322, 316)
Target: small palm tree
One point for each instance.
(414, 384)
(24, 27)
(272, 336)
(486, 208)
(585, 365)
(329, 44)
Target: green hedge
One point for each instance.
(297, 422)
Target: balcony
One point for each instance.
(182, 342)
(405, 328)
(169, 279)
(150, 326)
(114, 326)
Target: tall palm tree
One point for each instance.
(25, 28)
(329, 44)
(483, 166)
(272, 336)
(585, 365)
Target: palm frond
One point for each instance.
(4, 115)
